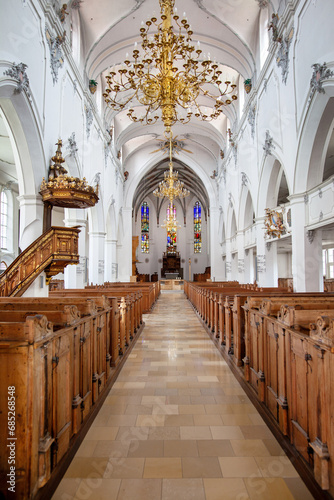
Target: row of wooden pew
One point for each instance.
(282, 343)
(58, 356)
(150, 291)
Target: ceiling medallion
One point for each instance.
(167, 75)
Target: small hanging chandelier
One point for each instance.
(171, 187)
(170, 223)
(168, 75)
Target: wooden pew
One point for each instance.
(58, 364)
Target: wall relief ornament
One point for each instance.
(18, 73)
(251, 120)
(56, 53)
(268, 144)
(275, 223)
(310, 236)
(89, 119)
(262, 3)
(319, 75)
(72, 144)
(282, 58)
(244, 179)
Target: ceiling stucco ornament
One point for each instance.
(18, 73)
(56, 53)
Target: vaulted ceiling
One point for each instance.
(227, 29)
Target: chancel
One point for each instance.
(167, 249)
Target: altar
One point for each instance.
(171, 265)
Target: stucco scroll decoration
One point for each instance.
(72, 144)
(282, 58)
(251, 120)
(319, 75)
(268, 144)
(76, 4)
(18, 73)
(89, 120)
(56, 53)
(234, 145)
(244, 179)
(262, 3)
(310, 235)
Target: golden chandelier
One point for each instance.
(168, 76)
(171, 224)
(171, 187)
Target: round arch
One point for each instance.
(312, 142)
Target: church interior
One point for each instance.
(167, 249)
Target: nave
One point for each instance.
(177, 425)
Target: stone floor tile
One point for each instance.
(163, 468)
(201, 467)
(234, 489)
(239, 467)
(98, 489)
(140, 489)
(185, 489)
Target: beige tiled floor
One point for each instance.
(177, 426)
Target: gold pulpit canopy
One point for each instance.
(62, 190)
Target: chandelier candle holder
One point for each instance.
(170, 223)
(168, 74)
(171, 187)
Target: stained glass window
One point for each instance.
(197, 227)
(171, 235)
(145, 227)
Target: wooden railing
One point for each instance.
(51, 253)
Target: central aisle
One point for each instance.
(177, 425)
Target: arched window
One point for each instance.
(145, 227)
(197, 227)
(171, 235)
(3, 219)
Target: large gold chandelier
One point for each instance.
(169, 75)
(171, 187)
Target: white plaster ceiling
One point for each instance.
(227, 29)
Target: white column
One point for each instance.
(31, 219)
(241, 257)
(217, 271)
(124, 248)
(228, 261)
(75, 276)
(306, 250)
(266, 255)
(96, 257)
(110, 260)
